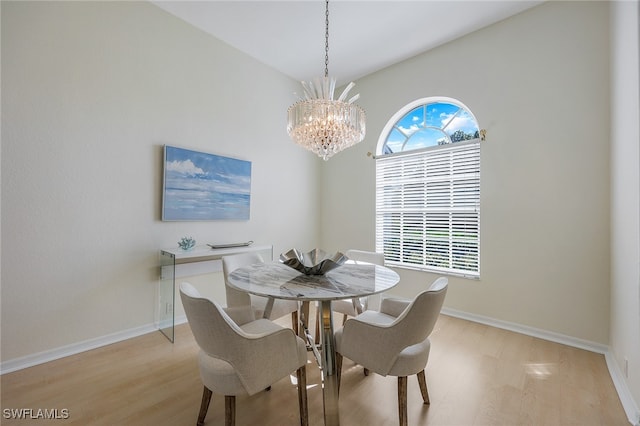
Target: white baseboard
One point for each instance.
(75, 348)
(530, 331)
(629, 405)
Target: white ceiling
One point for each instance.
(364, 36)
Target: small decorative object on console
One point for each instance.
(315, 262)
(186, 243)
(230, 245)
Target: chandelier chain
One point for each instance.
(326, 39)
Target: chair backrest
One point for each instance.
(419, 318)
(259, 358)
(378, 347)
(220, 338)
(439, 284)
(230, 264)
(211, 326)
(365, 256)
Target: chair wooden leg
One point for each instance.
(402, 400)
(317, 333)
(229, 410)
(204, 406)
(338, 369)
(422, 381)
(301, 375)
(294, 322)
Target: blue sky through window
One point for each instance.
(431, 124)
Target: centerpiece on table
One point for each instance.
(315, 262)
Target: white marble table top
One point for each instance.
(273, 279)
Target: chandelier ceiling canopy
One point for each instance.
(320, 123)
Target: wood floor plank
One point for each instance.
(476, 375)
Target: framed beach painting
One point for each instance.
(202, 186)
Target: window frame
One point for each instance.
(417, 210)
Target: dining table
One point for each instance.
(276, 280)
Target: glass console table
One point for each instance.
(176, 263)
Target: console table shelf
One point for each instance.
(176, 263)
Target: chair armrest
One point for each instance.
(263, 359)
(356, 343)
(240, 314)
(393, 306)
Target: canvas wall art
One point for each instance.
(202, 186)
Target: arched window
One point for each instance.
(428, 188)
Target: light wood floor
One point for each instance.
(477, 375)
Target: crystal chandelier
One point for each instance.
(318, 122)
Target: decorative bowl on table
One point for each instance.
(186, 243)
(315, 262)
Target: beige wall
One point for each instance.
(538, 83)
(90, 93)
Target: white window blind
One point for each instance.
(428, 208)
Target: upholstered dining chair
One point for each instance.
(236, 298)
(240, 355)
(394, 341)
